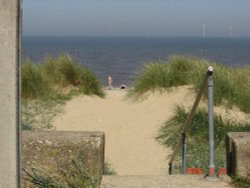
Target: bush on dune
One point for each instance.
(232, 85)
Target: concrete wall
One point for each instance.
(54, 151)
(238, 154)
(9, 92)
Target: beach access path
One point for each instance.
(130, 126)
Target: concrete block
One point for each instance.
(238, 154)
(52, 151)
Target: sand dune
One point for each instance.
(130, 127)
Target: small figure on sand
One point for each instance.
(110, 87)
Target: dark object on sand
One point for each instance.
(123, 86)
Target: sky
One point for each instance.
(136, 18)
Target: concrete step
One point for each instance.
(173, 181)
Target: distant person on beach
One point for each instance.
(110, 87)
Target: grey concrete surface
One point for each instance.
(238, 154)
(10, 32)
(52, 151)
(173, 181)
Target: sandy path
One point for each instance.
(129, 126)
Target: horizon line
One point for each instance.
(142, 36)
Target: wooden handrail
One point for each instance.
(188, 120)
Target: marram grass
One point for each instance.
(64, 71)
(76, 174)
(50, 78)
(232, 85)
(34, 84)
(197, 137)
(45, 87)
(73, 175)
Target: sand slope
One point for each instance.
(130, 127)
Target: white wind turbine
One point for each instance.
(231, 31)
(203, 30)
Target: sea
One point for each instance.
(122, 58)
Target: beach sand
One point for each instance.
(130, 126)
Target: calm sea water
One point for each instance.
(122, 57)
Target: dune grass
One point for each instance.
(39, 114)
(46, 86)
(232, 85)
(74, 175)
(52, 77)
(197, 137)
(64, 71)
(34, 85)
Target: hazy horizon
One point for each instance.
(136, 36)
(150, 18)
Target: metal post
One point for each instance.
(170, 168)
(184, 154)
(211, 122)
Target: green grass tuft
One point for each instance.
(48, 85)
(108, 170)
(232, 85)
(64, 71)
(34, 84)
(75, 175)
(50, 78)
(198, 154)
